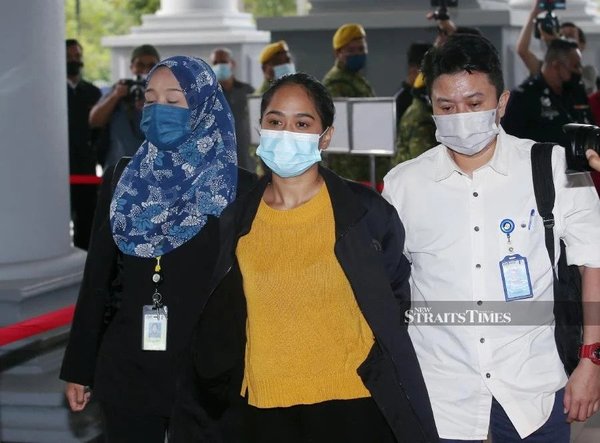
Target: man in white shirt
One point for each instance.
(480, 265)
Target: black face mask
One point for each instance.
(74, 68)
(573, 82)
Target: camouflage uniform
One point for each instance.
(416, 131)
(342, 83)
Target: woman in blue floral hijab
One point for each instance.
(171, 185)
(152, 253)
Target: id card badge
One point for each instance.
(515, 278)
(154, 328)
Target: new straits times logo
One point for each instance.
(427, 316)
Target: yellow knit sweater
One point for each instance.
(306, 334)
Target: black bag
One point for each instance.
(113, 303)
(568, 310)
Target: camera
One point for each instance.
(582, 137)
(441, 13)
(136, 87)
(549, 22)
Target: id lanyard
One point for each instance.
(514, 269)
(154, 316)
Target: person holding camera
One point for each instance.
(119, 111)
(542, 105)
(482, 284)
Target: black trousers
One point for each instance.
(83, 206)
(335, 421)
(127, 428)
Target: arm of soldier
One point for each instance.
(422, 137)
(593, 159)
(524, 41)
(100, 114)
(582, 393)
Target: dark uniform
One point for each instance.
(537, 113)
(82, 158)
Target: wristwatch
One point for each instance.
(591, 351)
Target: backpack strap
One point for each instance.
(118, 171)
(543, 187)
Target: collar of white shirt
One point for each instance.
(445, 165)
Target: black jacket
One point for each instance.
(369, 244)
(110, 357)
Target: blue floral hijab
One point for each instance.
(164, 197)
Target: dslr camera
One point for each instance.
(136, 87)
(549, 22)
(582, 138)
(441, 13)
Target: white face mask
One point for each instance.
(467, 132)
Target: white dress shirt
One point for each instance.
(455, 245)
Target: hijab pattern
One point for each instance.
(164, 196)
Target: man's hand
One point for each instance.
(582, 393)
(78, 396)
(120, 89)
(593, 159)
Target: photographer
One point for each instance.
(119, 111)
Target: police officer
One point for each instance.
(543, 104)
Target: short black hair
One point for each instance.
(72, 42)
(468, 30)
(464, 52)
(315, 90)
(416, 52)
(140, 51)
(559, 49)
(581, 35)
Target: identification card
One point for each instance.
(154, 328)
(515, 278)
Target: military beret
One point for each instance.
(269, 51)
(346, 33)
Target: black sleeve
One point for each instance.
(79, 361)
(518, 113)
(396, 263)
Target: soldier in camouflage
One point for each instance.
(344, 80)
(276, 62)
(416, 129)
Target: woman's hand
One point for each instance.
(78, 396)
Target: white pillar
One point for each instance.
(182, 6)
(195, 27)
(34, 218)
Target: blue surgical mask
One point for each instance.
(356, 62)
(285, 69)
(288, 154)
(165, 126)
(222, 71)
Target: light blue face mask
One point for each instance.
(222, 71)
(285, 69)
(289, 154)
(165, 126)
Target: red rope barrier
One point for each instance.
(36, 325)
(84, 180)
